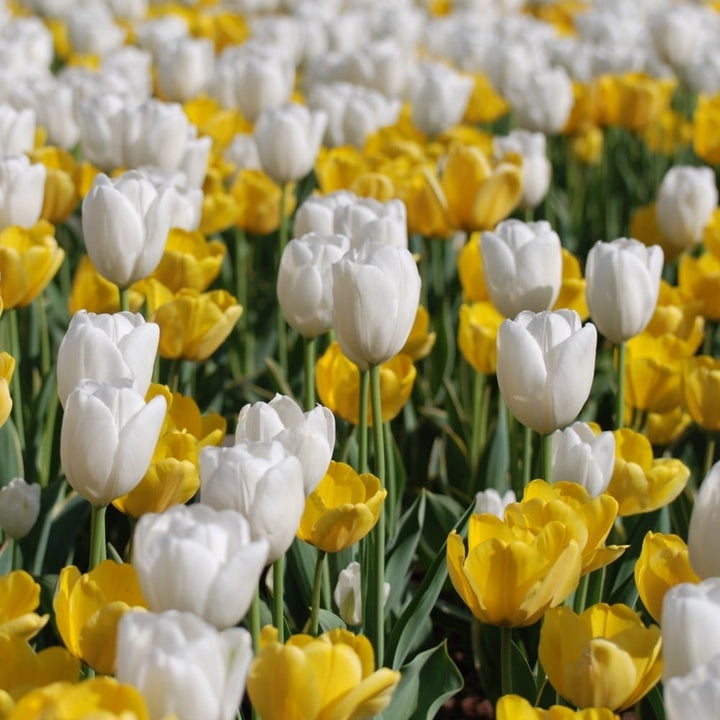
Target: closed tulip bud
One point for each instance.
(22, 191)
(19, 507)
(107, 439)
(543, 102)
(184, 667)
(263, 482)
(107, 348)
(581, 456)
(686, 199)
(490, 502)
(522, 263)
(704, 529)
(125, 226)
(17, 130)
(623, 282)
(695, 695)
(439, 96)
(376, 292)
(546, 363)
(529, 147)
(198, 559)
(691, 626)
(101, 121)
(288, 140)
(184, 68)
(348, 594)
(368, 220)
(304, 283)
(309, 436)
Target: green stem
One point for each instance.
(44, 336)
(125, 299)
(596, 586)
(16, 555)
(515, 469)
(326, 596)
(377, 625)
(709, 453)
(254, 620)
(620, 406)
(278, 593)
(363, 425)
(310, 347)
(505, 660)
(478, 428)
(241, 293)
(547, 443)
(97, 535)
(581, 595)
(281, 325)
(527, 456)
(317, 587)
(390, 479)
(16, 384)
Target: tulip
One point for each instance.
(368, 220)
(189, 261)
(309, 436)
(7, 368)
(125, 225)
(348, 594)
(19, 597)
(490, 502)
(604, 657)
(439, 96)
(195, 558)
(623, 282)
(522, 263)
(581, 456)
(470, 271)
(514, 707)
(288, 139)
(663, 563)
(331, 677)
(695, 695)
(106, 348)
(690, 626)
(543, 102)
(22, 189)
(183, 666)
(186, 200)
(701, 390)
(699, 277)
(261, 480)
(546, 363)
(63, 177)
(572, 290)
(304, 283)
(376, 291)
(685, 202)
(184, 68)
(258, 199)
(17, 130)
(704, 526)
(338, 384)
(107, 439)
(19, 507)
(529, 148)
(420, 340)
(101, 119)
(88, 608)
(317, 213)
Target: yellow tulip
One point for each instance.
(23, 670)
(470, 271)
(665, 428)
(222, 27)
(477, 335)
(183, 415)
(339, 168)
(258, 199)
(514, 707)
(572, 290)
(663, 563)
(212, 119)
(644, 227)
(701, 390)
(192, 324)
(485, 105)
(700, 279)
(639, 482)
(100, 697)
(19, 597)
(677, 314)
(220, 210)
(604, 657)
(509, 577)
(706, 129)
(331, 677)
(478, 195)
(669, 134)
(711, 234)
(29, 260)
(427, 209)
(376, 185)
(61, 183)
(92, 292)
(88, 609)
(7, 368)
(338, 382)
(189, 261)
(420, 340)
(587, 145)
(633, 100)
(342, 509)
(584, 114)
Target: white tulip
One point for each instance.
(368, 220)
(184, 68)
(92, 30)
(536, 168)
(19, 507)
(22, 191)
(543, 103)
(348, 594)
(704, 529)
(439, 97)
(17, 130)
(153, 34)
(317, 213)
(695, 695)
(490, 502)
(182, 666)
(101, 121)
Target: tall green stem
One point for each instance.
(709, 453)
(44, 335)
(254, 620)
(527, 456)
(242, 270)
(97, 535)
(478, 430)
(125, 299)
(16, 352)
(363, 425)
(317, 587)
(581, 595)
(16, 555)
(390, 480)
(376, 624)
(620, 406)
(278, 597)
(281, 325)
(310, 346)
(547, 443)
(506, 660)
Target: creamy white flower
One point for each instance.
(184, 68)
(536, 168)
(543, 103)
(22, 191)
(490, 502)
(704, 526)
(19, 507)
(17, 130)
(439, 96)
(348, 594)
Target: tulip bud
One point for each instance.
(17, 130)
(581, 456)
(704, 530)
(695, 695)
(107, 348)
(22, 191)
(536, 168)
(376, 292)
(19, 507)
(623, 282)
(686, 199)
(522, 263)
(184, 68)
(100, 119)
(439, 97)
(183, 667)
(546, 363)
(304, 283)
(125, 225)
(543, 102)
(490, 502)
(107, 439)
(348, 594)
(195, 558)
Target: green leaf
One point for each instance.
(329, 621)
(427, 682)
(11, 453)
(523, 679)
(441, 515)
(495, 460)
(655, 699)
(299, 571)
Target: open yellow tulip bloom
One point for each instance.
(88, 609)
(342, 509)
(604, 657)
(477, 335)
(639, 482)
(258, 199)
(514, 707)
(325, 678)
(663, 563)
(19, 597)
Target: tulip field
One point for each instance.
(359, 359)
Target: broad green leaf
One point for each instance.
(11, 453)
(329, 620)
